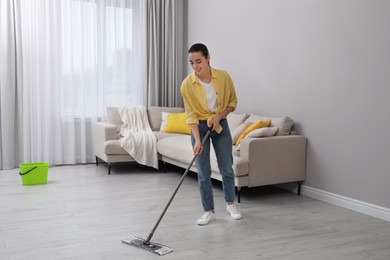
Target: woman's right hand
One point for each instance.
(198, 148)
(198, 144)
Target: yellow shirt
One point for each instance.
(194, 96)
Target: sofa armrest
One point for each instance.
(274, 160)
(102, 132)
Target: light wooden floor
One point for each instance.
(82, 213)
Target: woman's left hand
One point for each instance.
(215, 122)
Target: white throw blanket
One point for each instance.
(139, 140)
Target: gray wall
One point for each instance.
(324, 63)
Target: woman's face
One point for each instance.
(199, 63)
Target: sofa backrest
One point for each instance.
(154, 116)
(284, 124)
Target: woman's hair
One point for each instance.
(199, 47)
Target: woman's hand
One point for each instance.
(217, 118)
(198, 144)
(215, 122)
(198, 148)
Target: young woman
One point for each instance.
(209, 96)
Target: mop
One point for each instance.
(148, 245)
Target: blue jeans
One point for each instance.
(222, 144)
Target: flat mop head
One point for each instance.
(148, 246)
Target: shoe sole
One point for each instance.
(204, 224)
(233, 217)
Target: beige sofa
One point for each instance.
(262, 159)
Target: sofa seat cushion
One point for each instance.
(179, 148)
(113, 147)
(162, 135)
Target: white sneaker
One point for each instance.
(232, 210)
(206, 218)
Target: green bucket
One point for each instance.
(34, 173)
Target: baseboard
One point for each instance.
(342, 201)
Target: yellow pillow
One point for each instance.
(176, 123)
(258, 124)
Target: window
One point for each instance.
(97, 60)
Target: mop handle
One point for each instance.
(177, 188)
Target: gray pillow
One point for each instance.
(235, 119)
(263, 132)
(284, 124)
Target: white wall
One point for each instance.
(324, 63)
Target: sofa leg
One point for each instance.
(164, 167)
(299, 187)
(97, 160)
(109, 169)
(238, 194)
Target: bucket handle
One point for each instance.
(28, 171)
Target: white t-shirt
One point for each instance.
(211, 97)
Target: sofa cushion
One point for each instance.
(162, 135)
(179, 148)
(164, 120)
(263, 132)
(284, 124)
(257, 125)
(236, 151)
(235, 119)
(113, 117)
(154, 115)
(237, 132)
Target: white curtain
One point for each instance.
(62, 63)
(9, 93)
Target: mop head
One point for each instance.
(148, 246)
